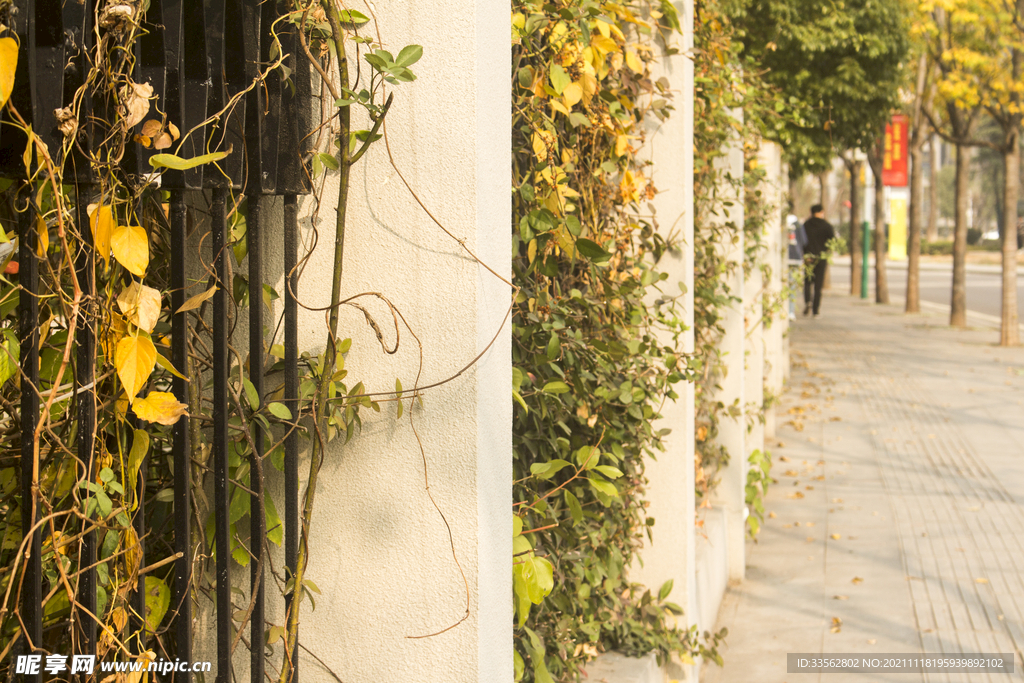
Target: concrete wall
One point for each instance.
(380, 551)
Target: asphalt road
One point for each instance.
(984, 290)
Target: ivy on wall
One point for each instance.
(589, 371)
(590, 375)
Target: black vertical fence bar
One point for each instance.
(291, 396)
(257, 521)
(180, 447)
(137, 600)
(28, 317)
(85, 376)
(220, 435)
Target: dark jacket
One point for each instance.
(797, 241)
(819, 232)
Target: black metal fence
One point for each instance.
(198, 55)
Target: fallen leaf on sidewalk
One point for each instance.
(809, 488)
(840, 597)
(809, 524)
(795, 494)
(837, 500)
(820, 477)
(872, 641)
(772, 515)
(835, 418)
(821, 462)
(791, 473)
(783, 458)
(836, 537)
(981, 581)
(856, 580)
(810, 539)
(837, 625)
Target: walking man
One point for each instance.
(819, 233)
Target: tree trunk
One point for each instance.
(933, 190)
(823, 190)
(1009, 330)
(855, 211)
(914, 243)
(881, 278)
(958, 307)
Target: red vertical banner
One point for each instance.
(894, 165)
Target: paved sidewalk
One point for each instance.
(897, 520)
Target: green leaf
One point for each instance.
(546, 470)
(103, 504)
(555, 387)
(519, 399)
(179, 164)
(140, 447)
(409, 55)
(250, 394)
(607, 488)
(517, 379)
(609, 471)
(665, 589)
(329, 160)
(10, 354)
(592, 250)
(517, 525)
(351, 16)
(575, 509)
(275, 528)
(158, 600)
(280, 411)
(560, 80)
(520, 666)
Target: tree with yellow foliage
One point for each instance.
(977, 47)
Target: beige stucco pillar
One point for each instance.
(670, 490)
(732, 434)
(380, 551)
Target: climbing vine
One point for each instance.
(590, 373)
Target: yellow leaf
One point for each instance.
(141, 305)
(130, 245)
(197, 300)
(8, 66)
(160, 407)
(621, 145)
(43, 237)
(134, 359)
(572, 94)
(559, 107)
(531, 250)
(26, 157)
(634, 63)
(589, 82)
(101, 222)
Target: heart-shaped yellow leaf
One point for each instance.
(8, 67)
(101, 221)
(141, 305)
(134, 359)
(160, 407)
(130, 245)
